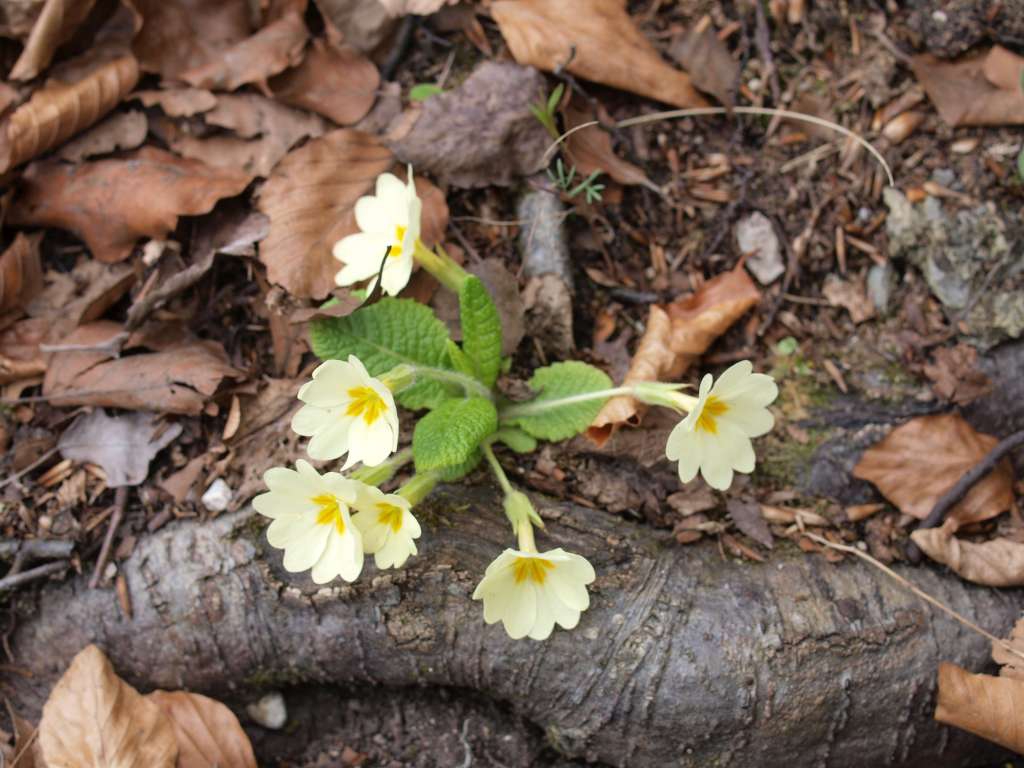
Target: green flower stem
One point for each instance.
(419, 486)
(524, 532)
(383, 471)
(471, 385)
(499, 473)
(441, 266)
(532, 409)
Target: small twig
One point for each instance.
(963, 486)
(40, 549)
(120, 500)
(39, 572)
(920, 593)
(29, 468)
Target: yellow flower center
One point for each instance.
(389, 514)
(396, 247)
(713, 408)
(532, 568)
(330, 511)
(365, 402)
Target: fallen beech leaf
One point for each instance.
(120, 131)
(713, 69)
(58, 111)
(177, 379)
(110, 204)
(995, 563)
(414, 7)
(178, 102)
(309, 198)
(362, 23)
(468, 138)
(590, 149)
(271, 50)
(748, 518)
(955, 375)
(122, 446)
(208, 733)
(675, 337)
(55, 25)
(333, 80)
(986, 706)
(920, 460)
(178, 35)
(21, 273)
(982, 89)
(18, 18)
(1011, 664)
(594, 39)
(851, 295)
(93, 718)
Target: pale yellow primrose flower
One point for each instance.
(390, 217)
(347, 411)
(715, 436)
(387, 526)
(311, 521)
(530, 592)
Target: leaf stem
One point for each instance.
(419, 486)
(499, 473)
(383, 471)
(540, 406)
(468, 383)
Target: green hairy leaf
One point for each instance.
(481, 330)
(516, 439)
(459, 471)
(460, 360)
(554, 383)
(451, 434)
(383, 335)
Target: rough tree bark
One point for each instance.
(683, 659)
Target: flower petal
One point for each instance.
(372, 215)
(733, 379)
(754, 420)
(686, 447)
(396, 273)
(362, 254)
(520, 610)
(332, 439)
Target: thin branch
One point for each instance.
(39, 572)
(120, 500)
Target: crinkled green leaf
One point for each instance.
(459, 471)
(451, 433)
(385, 334)
(554, 383)
(459, 360)
(516, 439)
(481, 330)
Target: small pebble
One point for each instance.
(270, 711)
(217, 496)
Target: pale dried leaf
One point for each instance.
(994, 563)
(272, 50)
(333, 80)
(713, 69)
(93, 719)
(120, 131)
(122, 446)
(675, 337)
(590, 149)
(397, 8)
(851, 295)
(955, 374)
(208, 733)
(748, 518)
(1012, 664)
(178, 102)
(469, 138)
(110, 204)
(981, 89)
(21, 273)
(986, 706)
(57, 22)
(58, 111)
(361, 23)
(920, 460)
(608, 47)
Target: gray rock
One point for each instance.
(880, 285)
(270, 711)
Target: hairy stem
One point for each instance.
(535, 407)
(468, 383)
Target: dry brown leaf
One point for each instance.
(120, 131)
(55, 25)
(208, 733)
(986, 706)
(713, 69)
(178, 102)
(982, 89)
(955, 375)
(851, 295)
(177, 379)
(590, 149)
(21, 273)
(469, 138)
(362, 23)
(333, 80)
(58, 111)
(110, 204)
(1012, 665)
(93, 718)
(995, 563)
(178, 35)
(919, 461)
(122, 446)
(608, 47)
(414, 7)
(272, 50)
(18, 18)
(675, 337)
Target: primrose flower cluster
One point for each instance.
(393, 352)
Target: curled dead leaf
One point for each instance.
(110, 204)
(986, 706)
(333, 80)
(593, 39)
(704, 55)
(21, 273)
(995, 563)
(676, 335)
(591, 149)
(94, 718)
(981, 89)
(178, 102)
(55, 25)
(122, 130)
(207, 732)
(919, 461)
(59, 111)
(851, 295)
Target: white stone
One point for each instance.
(217, 496)
(756, 238)
(270, 711)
